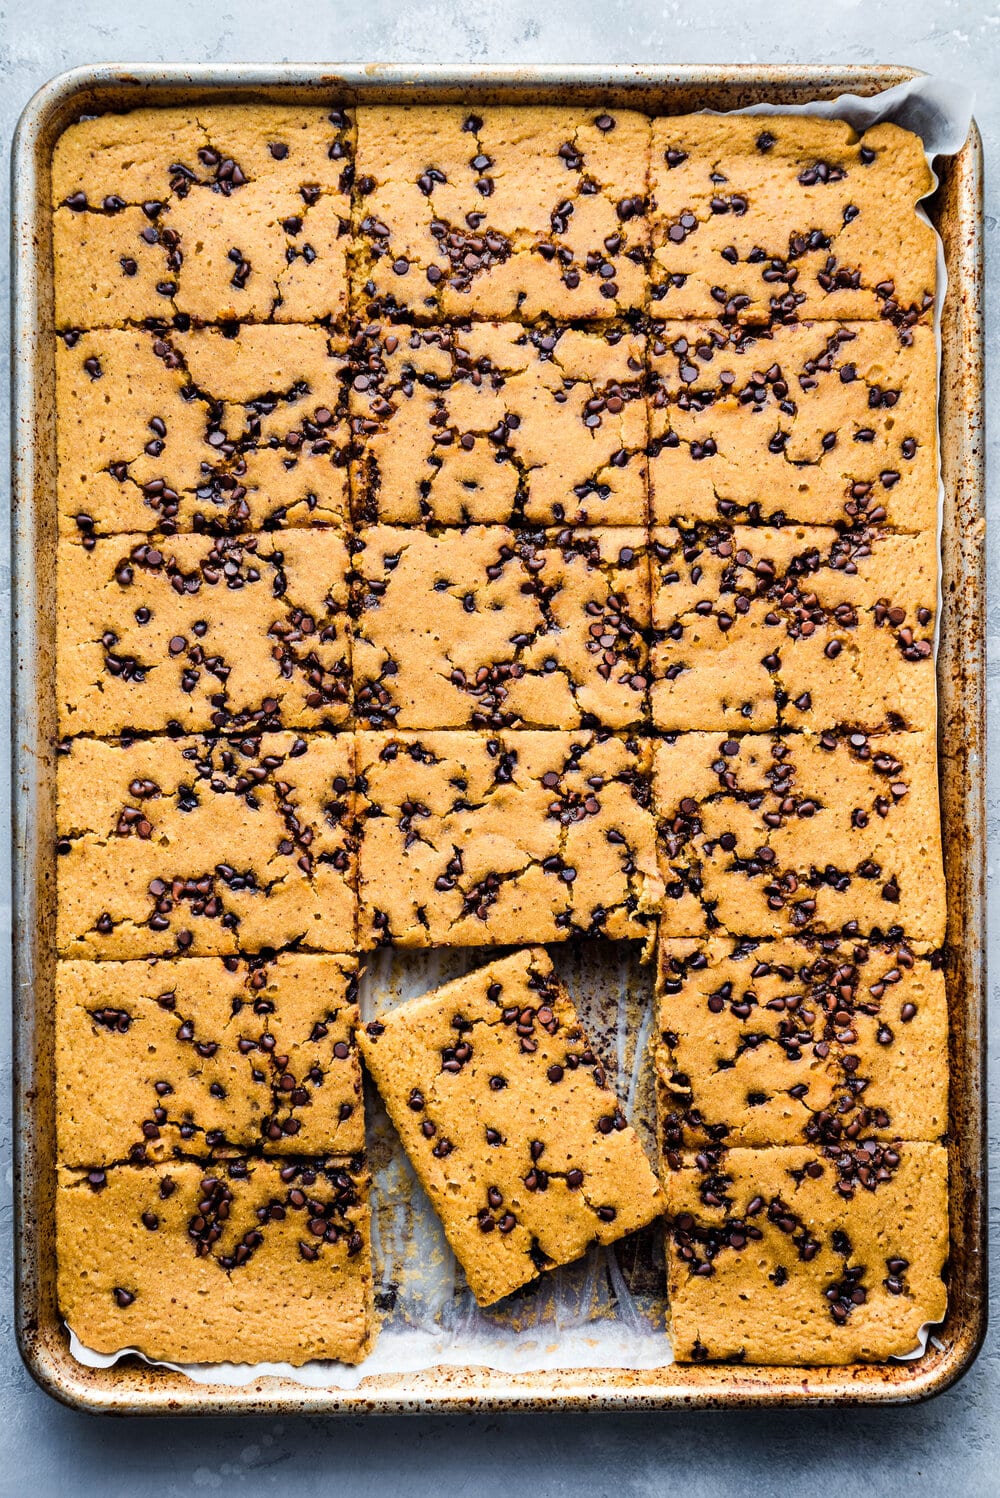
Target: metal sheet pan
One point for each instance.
(134, 1388)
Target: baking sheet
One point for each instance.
(607, 1311)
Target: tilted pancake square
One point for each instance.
(508, 1119)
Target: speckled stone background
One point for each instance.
(948, 1446)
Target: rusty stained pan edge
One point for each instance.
(135, 1388)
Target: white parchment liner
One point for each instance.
(585, 1315)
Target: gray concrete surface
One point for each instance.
(948, 1446)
